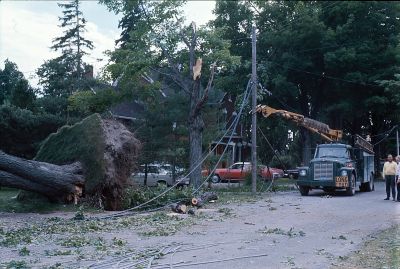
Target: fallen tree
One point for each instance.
(93, 158)
(44, 178)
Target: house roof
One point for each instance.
(130, 110)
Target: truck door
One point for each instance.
(359, 163)
(368, 166)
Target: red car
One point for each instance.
(239, 171)
(269, 173)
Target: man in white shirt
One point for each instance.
(389, 173)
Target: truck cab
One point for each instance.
(337, 166)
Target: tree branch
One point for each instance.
(184, 39)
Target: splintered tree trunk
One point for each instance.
(196, 126)
(53, 181)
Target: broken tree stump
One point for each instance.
(204, 198)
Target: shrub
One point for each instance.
(135, 196)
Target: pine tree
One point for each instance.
(73, 42)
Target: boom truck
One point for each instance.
(336, 165)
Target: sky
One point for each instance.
(27, 29)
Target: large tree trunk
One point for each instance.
(196, 126)
(195, 136)
(54, 181)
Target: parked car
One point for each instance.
(159, 174)
(239, 171)
(268, 173)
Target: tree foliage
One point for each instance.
(14, 87)
(65, 74)
(22, 131)
(327, 60)
(72, 42)
(155, 38)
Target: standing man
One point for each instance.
(398, 178)
(389, 173)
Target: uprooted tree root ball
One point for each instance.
(104, 149)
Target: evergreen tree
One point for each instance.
(63, 75)
(73, 41)
(14, 88)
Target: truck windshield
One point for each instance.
(332, 152)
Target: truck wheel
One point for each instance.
(364, 187)
(215, 179)
(351, 190)
(304, 190)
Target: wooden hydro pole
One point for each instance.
(254, 113)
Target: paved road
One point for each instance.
(281, 230)
(318, 230)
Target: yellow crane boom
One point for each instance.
(314, 126)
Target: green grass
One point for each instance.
(290, 233)
(135, 196)
(382, 251)
(9, 203)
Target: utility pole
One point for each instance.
(253, 115)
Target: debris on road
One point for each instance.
(204, 198)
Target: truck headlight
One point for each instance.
(343, 173)
(303, 172)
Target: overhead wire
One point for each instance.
(324, 76)
(245, 98)
(272, 148)
(125, 212)
(386, 135)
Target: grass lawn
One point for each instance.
(9, 203)
(382, 251)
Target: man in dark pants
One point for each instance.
(398, 189)
(389, 173)
(398, 178)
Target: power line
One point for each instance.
(245, 100)
(272, 148)
(233, 124)
(386, 135)
(324, 76)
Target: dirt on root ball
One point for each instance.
(120, 155)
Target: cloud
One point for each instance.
(28, 28)
(26, 35)
(199, 11)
